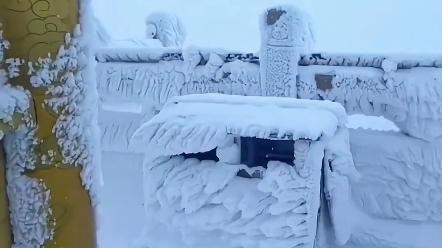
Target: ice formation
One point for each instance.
(203, 201)
(285, 33)
(76, 130)
(395, 202)
(27, 197)
(167, 28)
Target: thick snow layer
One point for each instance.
(336, 109)
(404, 181)
(28, 198)
(148, 55)
(396, 202)
(168, 28)
(12, 101)
(206, 125)
(285, 33)
(134, 42)
(157, 83)
(204, 204)
(201, 202)
(339, 171)
(409, 97)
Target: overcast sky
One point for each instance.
(354, 26)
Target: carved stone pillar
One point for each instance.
(285, 33)
(36, 29)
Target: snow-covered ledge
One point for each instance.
(203, 203)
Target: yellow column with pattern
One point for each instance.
(5, 226)
(36, 28)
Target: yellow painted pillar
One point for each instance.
(35, 28)
(5, 226)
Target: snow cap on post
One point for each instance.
(167, 28)
(285, 33)
(287, 26)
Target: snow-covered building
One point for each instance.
(394, 201)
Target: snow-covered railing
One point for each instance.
(400, 184)
(402, 88)
(156, 55)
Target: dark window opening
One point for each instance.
(209, 155)
(258, 152)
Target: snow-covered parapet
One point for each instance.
(399, 192)
(202, 203)
(285, 34)
(410, 98)
(166, 27)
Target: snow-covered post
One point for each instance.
(166, 27)
(285, 34)
(54, 168)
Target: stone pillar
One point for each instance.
(36, 29)
(5, 225)
(285, 34)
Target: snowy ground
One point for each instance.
(122, 200)
(123, 195)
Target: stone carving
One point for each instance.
(167, 28)
(285, 33)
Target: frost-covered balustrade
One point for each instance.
(204, 187)
(117, 123)
(403, 88)
(399, 190)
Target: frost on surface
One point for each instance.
(285, 33)
(70, 83)
(167, 28)
(409, 98)
(204, 203)
(117, 129)
(28, 198)
(13, 100)
(157, 83)
(396, 201)
(404, 182)
(339, 172)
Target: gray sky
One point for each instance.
(353, 26)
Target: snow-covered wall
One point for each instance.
(396, 203)
(204, 203)
(408, 97)
(400, 175)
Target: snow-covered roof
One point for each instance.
(149, 55)
(196, 123)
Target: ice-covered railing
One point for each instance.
(156, 55)
(403, 88)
